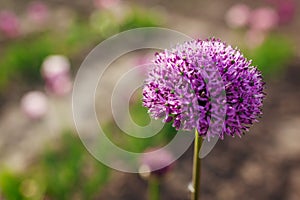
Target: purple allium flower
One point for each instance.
(176, 88)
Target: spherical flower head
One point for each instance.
(237, 16)
(157, 164)
(286, 10)
(55, 65)
(177, 88)
(60, 86)
(34, 105)
(263, 19)
(9, 24)
(38, 12)
(56, 72)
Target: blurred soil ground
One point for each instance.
(264, 164)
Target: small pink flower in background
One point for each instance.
(34, 105)
(158, 164)
(55, 65)
(9, 24)
(254, 38)
(56, 72)
(106, 4)
(237, 16)
(286, 11)
(263, 19)
(38, 12)
(60, 86)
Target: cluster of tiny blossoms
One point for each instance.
(177, 88)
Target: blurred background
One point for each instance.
(43, 43)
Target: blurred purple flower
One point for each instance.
(38, 12)
(237, 16)
(263, 19)
(55, 65)
(34, 105)
(60, 86)
(56, 72)
(9, 24)
(176, 90)
(286, 10)
(158, 164)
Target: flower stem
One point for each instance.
(153, 188)
(196, 166)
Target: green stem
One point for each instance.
(153, 188)
(196, 166)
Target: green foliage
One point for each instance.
(138, 112)
(104, 23)
(134, 144)
(23, 60)
(140, 18)
(273, 55)
(10, 185)
(70, 170)
(141, 117)
(63, 172)
(78, 37)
